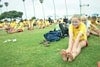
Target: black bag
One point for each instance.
(64, 29)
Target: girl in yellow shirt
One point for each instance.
(77, 39)
(1, 25)
(31, 22)
(47, 23)
(12, 27)
(41, 24)
(20, 26)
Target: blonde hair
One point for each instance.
(76, 16)
(83, 17)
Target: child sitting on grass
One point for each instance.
(77, 39)
(87, 24)
(94, 26)
(20, 27)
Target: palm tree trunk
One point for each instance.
(6, 4)
(33, 7)
(80, 7)
(43, 11)
(54, 10)
(1, 9)
(25, 10)
(6, 8)
(66, 9)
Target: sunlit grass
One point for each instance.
(27, 52)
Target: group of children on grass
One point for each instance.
(80, 29)
(15, 26)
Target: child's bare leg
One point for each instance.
(72, 53)
(80, 46)
(94, 33)
(77, 51)
(70, 47)
(97, 31)
(65, 52)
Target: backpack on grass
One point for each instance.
(53, 36)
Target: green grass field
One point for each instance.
(27, 52)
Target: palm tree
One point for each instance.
(80, 4)
(54, 9)
(33, 7)
(1, 7)
(6, 4)
(41, 1)
(66, 9)
(24, 8)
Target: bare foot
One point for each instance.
(70, 57)
(64, 54)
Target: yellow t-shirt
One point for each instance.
(1, 25)
(81, 28)
(26, 23)
(47, 23)
(21, 26)
(33, 21)
(13, 24)
(4, 23)
(40, 23)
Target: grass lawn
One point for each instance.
(27, 52)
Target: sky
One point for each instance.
(72, 7)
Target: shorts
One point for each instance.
(86, 43)
(19, 30)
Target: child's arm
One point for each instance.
(97, 23)
(77, 39)
(81, 33)
(70, 44)
(70, 41)
(94, 26)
